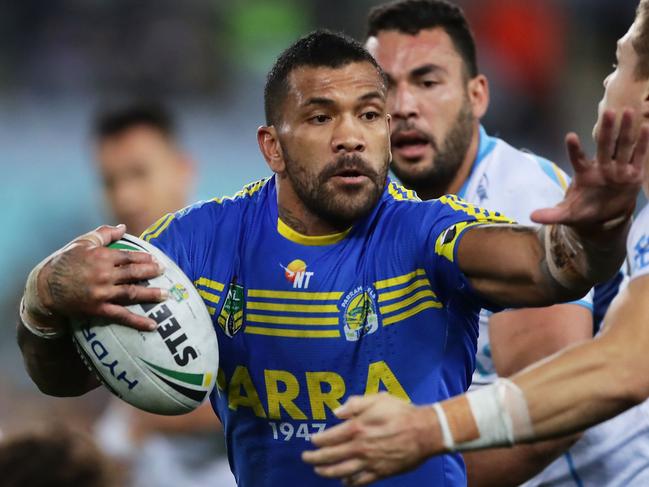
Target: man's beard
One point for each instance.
(339, 207)
(447, 159)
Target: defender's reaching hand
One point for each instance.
(382, 436)
(604, 190)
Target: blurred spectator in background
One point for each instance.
(53, 458)
(145, 174)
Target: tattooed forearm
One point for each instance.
(64, 281)
(574, 262)
(565, 257)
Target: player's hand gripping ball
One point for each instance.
(170, 370)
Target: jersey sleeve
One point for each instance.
(443, 229)
(638, 245)
(169, 236)
(193, 236)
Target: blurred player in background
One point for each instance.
(436, 97)
(384, 278)
(55, 457)
(577, 388)
(145, 174)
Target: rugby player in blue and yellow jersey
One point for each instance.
(328, 280)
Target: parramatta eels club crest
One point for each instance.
(359, 316)
(231, 317)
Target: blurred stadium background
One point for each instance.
(61, 59)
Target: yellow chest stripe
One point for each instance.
(303, 296)
(280, 332)
(411, 312)
(293, 308)
(395, 281)
(426, 293)
(203, 281)
(290, 320)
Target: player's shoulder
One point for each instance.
(397, 195)
(526, 167)
(408, 208)
(516, 182)
(208, 214)
(404, 203)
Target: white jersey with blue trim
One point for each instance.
(637, 245)
(515, 183)
(616, 452)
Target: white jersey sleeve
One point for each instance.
(637, 246)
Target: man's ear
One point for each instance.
(270, 148)
(478, 91)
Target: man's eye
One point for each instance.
(429, 83)
(319, 119)
(369, 116)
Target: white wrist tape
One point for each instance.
(501, 414)
(31, 303)
(31, 298)
(39, 330)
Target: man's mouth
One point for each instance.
(410, 145)
(350, 176)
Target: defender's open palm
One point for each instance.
(604, 190)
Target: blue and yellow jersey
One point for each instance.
(304, 322)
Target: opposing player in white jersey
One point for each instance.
(436, 98)
(577, 388)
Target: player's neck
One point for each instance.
(461, 175)
(293, 213)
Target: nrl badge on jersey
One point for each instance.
(231, 317)
(359, 313)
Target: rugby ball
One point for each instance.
(170, 370)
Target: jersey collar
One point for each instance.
(296, 237)
(485, 146)
(288, 233)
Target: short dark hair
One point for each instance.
(412, 16)
(320, 48)
(641, 40)
(55, 457)
(116, 120)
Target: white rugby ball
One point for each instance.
(170, 370)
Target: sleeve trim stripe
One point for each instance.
(154, 227)
(157, 230)
(584, 303)
(553, 172)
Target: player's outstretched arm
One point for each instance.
(518, 339)
(84, 278)
(573, 390)
(582, 240)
